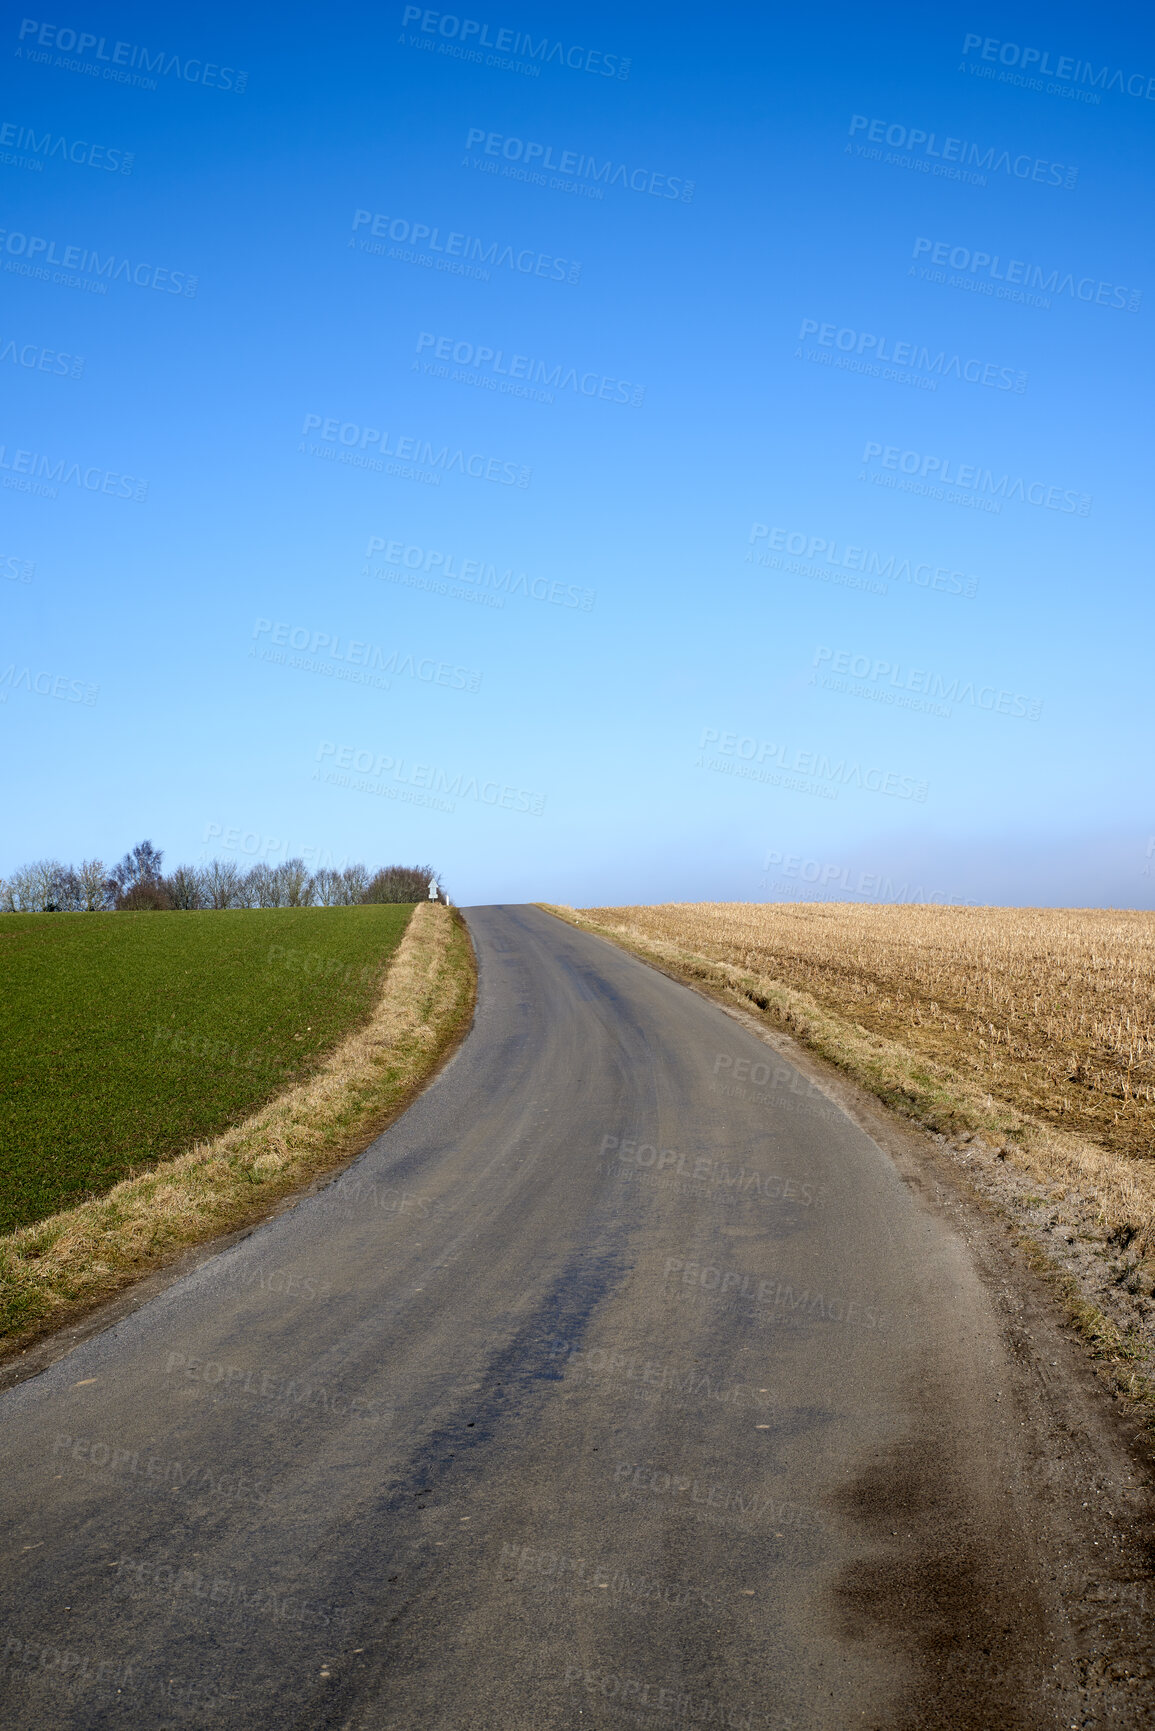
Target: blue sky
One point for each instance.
(722, 475)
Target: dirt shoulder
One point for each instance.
(54, 1275)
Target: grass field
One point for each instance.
(126, 1037)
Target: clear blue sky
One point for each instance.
(817, 274)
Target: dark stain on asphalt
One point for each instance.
(450, 1461)
(956, 1607)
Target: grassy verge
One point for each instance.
(1119, 1193)
(52, 1271)
(125, 1038)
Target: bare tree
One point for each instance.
(262, 889)
(51, 885)
(42, 885)
(66, 896)
(137, 869)
(46, 886)
(222, 883)
(356, 880)
(185, 888)
(296, 885)
(92, 885)
(21, 890)
(329, 888)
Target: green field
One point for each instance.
(126, 1037)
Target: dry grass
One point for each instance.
(54, 1270)
(1035, 1027)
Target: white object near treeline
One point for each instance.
(433, 889)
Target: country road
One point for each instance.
(625, 1380)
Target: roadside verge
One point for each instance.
(54, 1271)
(1083, 1216)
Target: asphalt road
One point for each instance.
(624, 1380)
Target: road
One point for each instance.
(718, 1410)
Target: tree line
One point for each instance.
(139, 884)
